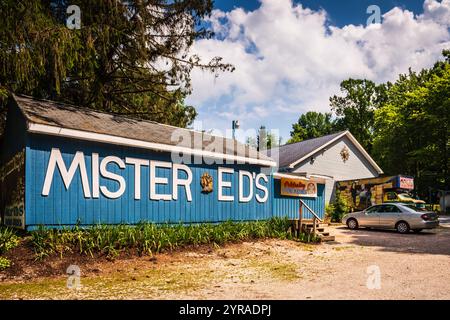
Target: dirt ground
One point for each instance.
(414, 266)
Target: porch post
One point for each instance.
(300, 217)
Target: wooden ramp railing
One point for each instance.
(300, 216)
(315, 227)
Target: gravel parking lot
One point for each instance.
(413, 266)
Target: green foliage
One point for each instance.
(405, 126)
(8, 239)
(4, 263)
(338, 208)
(312, 125)
(412, 129)
(129, 57)
(329, 210)
(355, 110)
(148, 238)
(307, 237)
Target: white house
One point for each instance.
(335, 157)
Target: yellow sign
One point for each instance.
(298, 188)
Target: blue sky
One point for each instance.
(290, 56)
(342, 12)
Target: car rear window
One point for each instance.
(410, 206)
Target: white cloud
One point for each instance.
(288, 60)
(437, 11)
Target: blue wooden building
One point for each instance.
(62, 165)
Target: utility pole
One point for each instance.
(234, 125)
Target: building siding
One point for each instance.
(329, 163)
(289, 206)
(69, 207)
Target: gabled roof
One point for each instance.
(53, 118)
(289, 155)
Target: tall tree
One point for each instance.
(312, 125)
(129, 57)
(412, 133)
(356, 108)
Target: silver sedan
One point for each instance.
(400, 216)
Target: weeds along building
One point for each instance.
(62, 165)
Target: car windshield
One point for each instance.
(413, 207)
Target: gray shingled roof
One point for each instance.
(71, 117)
(289, 153)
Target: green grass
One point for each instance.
(148, 238)
(285, 271)
(341, 248)
(146, 283)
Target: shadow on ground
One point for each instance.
(436, 241)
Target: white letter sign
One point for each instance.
(249, 197)
(224, 184)
(67, 175)
(109, 175)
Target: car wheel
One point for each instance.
(352, 224)
(402, 227)
(417, 230)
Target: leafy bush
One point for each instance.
(148, 238)
(4, 263)
(308, 237)
(329, 211)
(338, 208)
(8, 239)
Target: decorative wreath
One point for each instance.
(206, 181)
(345, 154)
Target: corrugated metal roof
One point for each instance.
(59, 115)
(290, 153)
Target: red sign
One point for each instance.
(406, 183)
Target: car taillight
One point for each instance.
(425, 216)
